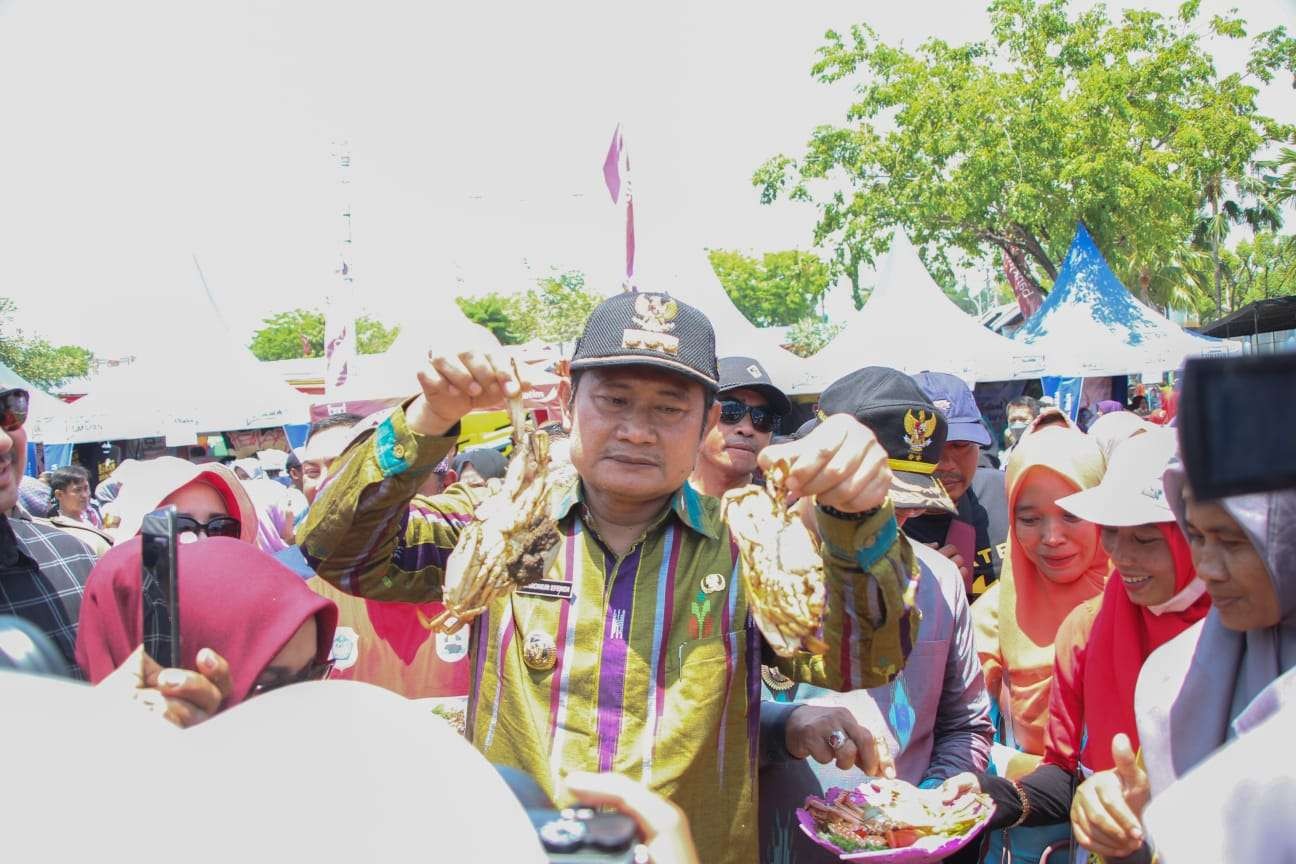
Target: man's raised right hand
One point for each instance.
(455, 384)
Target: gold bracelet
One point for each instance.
(1025, 804)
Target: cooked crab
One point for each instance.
(513, 538)
(781, 567)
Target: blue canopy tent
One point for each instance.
(1091, 326)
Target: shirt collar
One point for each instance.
(696, 511)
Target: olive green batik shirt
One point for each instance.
(653, 667)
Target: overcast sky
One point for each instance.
(136, 134)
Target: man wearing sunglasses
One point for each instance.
(42, 570)
(751, 409)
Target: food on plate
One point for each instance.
(892, 814)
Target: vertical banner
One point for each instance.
(1066, 391)
(1029, 298)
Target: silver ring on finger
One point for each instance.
(836, 739)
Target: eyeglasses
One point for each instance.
(13, 409)
(763, 419)
(312, 672)
(217, 526)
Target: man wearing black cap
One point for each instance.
(977, 535)
(636, 653)
(935, 716)
(751, 408)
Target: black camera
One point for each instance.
(584, 836)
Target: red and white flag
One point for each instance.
(1029, 298)
(616, 174)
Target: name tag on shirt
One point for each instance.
(551, 588)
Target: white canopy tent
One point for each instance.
(909, 324)
(687, 275)
(46, 415)
(158, 395)
(1091, 326)
(192, 377)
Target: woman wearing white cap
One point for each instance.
(1152, 595)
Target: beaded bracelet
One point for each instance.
(1025, 804)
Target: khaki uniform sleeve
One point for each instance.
(872, 616)
(368, 533)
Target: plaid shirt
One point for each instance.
(43, 572)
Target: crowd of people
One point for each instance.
(1056, 622)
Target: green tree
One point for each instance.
(1004, 145)
(776, 290)
(35, 358)
(1261, 268)
(809, 335)
(281, 337)
(555, 310)
(494, 312)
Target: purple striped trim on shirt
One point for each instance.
(753, 694)
(848, 618)
(564, 638)
(576, 570)
(414, 558)
(505, 639)
(480, 643)
(661, 642)
(427, 512)
(731, 651)
(612, 667)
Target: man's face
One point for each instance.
(13, 461)
(295, 474)
(957, 467)
(733, 447)
(321, 450)
(1019, 415)
(636, 431)
(74, 499)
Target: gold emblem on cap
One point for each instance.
(919, 430)
(655, 317)
(539, 651)
(656, 312)
(713, 582)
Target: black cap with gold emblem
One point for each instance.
(637, 328)
(906, 424)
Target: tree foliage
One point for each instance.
(809, 335)
(553, 311)
(492, 312)
(776, 290)
(281, 337)
(1004, 145)
(35, 358)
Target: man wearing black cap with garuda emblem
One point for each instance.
(639, 656)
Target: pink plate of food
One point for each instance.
(893, 821)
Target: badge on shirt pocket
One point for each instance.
(452, 647)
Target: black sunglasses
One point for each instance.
(217, 526)
(13, 409)
(763, 419)
(312, 672)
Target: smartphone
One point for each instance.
(159, 588)
(1236, 416)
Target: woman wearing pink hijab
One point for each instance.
(210, 501)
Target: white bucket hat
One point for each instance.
(1131, 492)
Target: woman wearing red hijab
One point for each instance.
(235, 600)
(1152, 596)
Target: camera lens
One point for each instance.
(612, 832)
(563, 835)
